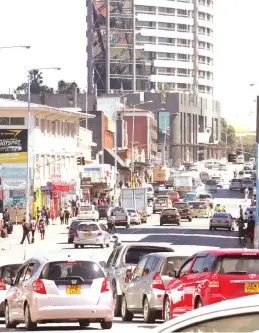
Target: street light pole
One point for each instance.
(256, 233)
(28, 139)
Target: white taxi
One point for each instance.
(88, 212)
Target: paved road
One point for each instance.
(189, 237)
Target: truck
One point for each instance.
(161, 173)
(183, 184)
(136, 198)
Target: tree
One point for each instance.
(37, 87)
(67, 87)
(228, 134)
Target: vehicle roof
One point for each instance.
(215, 310)
(162, 255)
(143, 244)
(230, 251)
(61, 257)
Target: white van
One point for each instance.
(150, 191)
(240, 159)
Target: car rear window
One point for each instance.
(238, 264)
(172, 264)
(86, 208)
(204, 196)
(134, 254)
(181, 205)
(88, 227)
(169, 211)
(75, 224)
(9, 270)
(210, 182)
(198, 205)
(222, 215)
(60, 270)
(236, 181)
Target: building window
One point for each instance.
(4, 121)
(17, 121)
(182, 12)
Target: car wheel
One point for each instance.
(70, 241)
(125, 314)
(190, 219)
(167, 309)
(198, 304)
(30, 326)
(76, 246)
(229, 229)
(8, 321)
(102, 245)
(82, 246)
(161, 223)
(84, 323)
(106, 325)
(179, 223)
(149, 316)
(210, 228)
(117, 302)
(108, 244)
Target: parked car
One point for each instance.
(147, 283)
(248, 210)
(200, 209)
(91, 233)
(161, 203)
(134, 216)
(7, 268)
(89, 212)
(104, 211)
(212, 276)
(170, 216)
(120, 217)
(184, 210)
(238, 315)
(235, 184)
(61, 289)
(206, 197)
(222, 221)
(123, 261)
(72, 229)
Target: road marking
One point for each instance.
(133, 232)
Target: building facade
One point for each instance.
(154, 45)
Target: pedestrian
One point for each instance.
(4, 232)
(26, 227)
(38, 213)
(61, 215)
(246, 192)
(241, 213)
(67, 215)
(33, 229)
(47, 216)
(42, 228)
(217, 208)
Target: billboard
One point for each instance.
(9, 172)
(13, 145)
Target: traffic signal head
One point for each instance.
(83, 161)
(79, 161)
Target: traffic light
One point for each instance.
(79, 161)
(83, 161)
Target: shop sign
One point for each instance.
(98, 173)
(13, 145)
(14, 172)
(55, 178)
(63, 188)
(14, 184)
(86, 181)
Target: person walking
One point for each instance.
(47, 216)
(33, 229)
(61, 215)
(42, 228)
(246, 192)
(26, 227)
(67, 215)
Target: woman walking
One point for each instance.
(67, 215)
(61, 215)
(42, 228)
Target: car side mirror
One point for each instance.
(172, 274)
(8, 280)
(102, 264)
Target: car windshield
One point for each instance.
(251, 209)
(239, 264)
(204, 196)
(191, 196)
(163, 192)
(9, 270)
(172, 264)
(181, 205)
(134, 254)
(86, 208)
(88, 227)
(60, 270)
(169, 211)
(149, 189)
(221, 215)
(198, 205)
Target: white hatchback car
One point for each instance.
(57, 290)
(91, 233)
(88, 212)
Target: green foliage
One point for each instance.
(37, 87)
(228, 134)
(248, 145)
(67, 87)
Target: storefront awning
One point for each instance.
(109, 158)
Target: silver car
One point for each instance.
(62, 289)
(91, 233)
(133, 215)
(222, 221)
(145, 289)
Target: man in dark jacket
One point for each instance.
(26, 227)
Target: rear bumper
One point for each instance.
(172, 221)
(93, 241)
(185, 216)
(120, 223)
(220, 225)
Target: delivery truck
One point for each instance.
(183, 184)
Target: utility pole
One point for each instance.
(256, 235)
(195, 49)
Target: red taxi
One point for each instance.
(212, 276)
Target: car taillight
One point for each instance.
(128, 271)
(211, 220)
(2, 285)
(99, 234)
(157, 282)
(38, 287)
(105, 286)
(227, 221)
(76, 234)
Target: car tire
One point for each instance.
(108, 244)
(106, 325)
(210, 228)
(167, 309)
(84, 323)
(190, 219)
(125, 314)
(75, 246)
(29, 324)
(70, 241)
(198, 304)
(117, 301)
(102, 245)
(229, 229)
(161, 224)
(8, 321)
(178, 223)
(148, 315)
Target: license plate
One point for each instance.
(73, 290)
(251, 287)
(88, 234)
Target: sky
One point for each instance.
(55, 29)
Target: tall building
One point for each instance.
(172, 49)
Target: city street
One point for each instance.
(189, 237)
